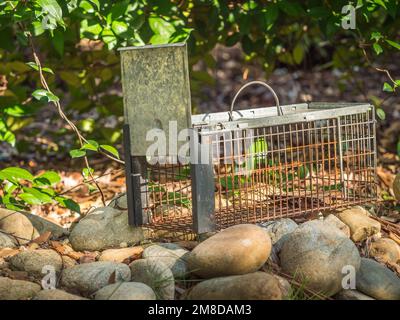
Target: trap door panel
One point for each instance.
(155, 81)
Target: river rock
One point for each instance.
(119, 202)
(104, 228)
(385, 250)
(361, 226)
(68, 262)
(315, 253)
(156, 275)
(126, 291)
(90, 277)
(252, 286)
(33, 261)
(43, 225)
(336, 222)
(172, 255)
(56, 294)
(7, 241)
(377, 281)
(17, 289)
(284, 285)
(352, 295)
(121, 255)
(278, 229)
(396, 187)
(18, 225)
(236, 250)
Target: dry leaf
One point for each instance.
(42, 238)
(112, 278)
(8, 252)
(18, 275)
(394, 237)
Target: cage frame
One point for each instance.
(269, 117)
(202, 177)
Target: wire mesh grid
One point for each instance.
(294, 169)
(273, 172)
(168, 196)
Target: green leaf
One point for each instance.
(271, 15)
(15, 173)
(17, 111)
(381, 114)
(110, 149)
(119, 27)
(109, 38)
(90, 29)
(29, 198)
(77, 153)
(89, 6)
(90, 145)
(119, 9)
(298, 53)
(393, 44)
(87, 172)
(387, 87)
(378, 49)
(7, 136)
(34, 66)
(162, 30)
(68, 203)
(376, 36)
(11, 203)
(43, 197)
(303, 172)
(44, 95)
(52, 8)
(10, 187)
(256, 153)
(229, 183)
(48, 178)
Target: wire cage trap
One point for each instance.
(247, 166)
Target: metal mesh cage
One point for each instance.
(263, 164)
(293, 169)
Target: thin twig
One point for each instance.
(81, 139)
(89, 181)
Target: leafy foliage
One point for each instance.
(22, 189)
(79, 40)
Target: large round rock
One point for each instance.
(104, 228)
(17, 289)
(315, 253)
(252, 286)
(236, 250)
(172, 255)
(15, 223)
(377, 281)
(87, 278)
(126, 291)
(36, 261)
(156, 275)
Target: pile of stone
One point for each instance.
(102, 257)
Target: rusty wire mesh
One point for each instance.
(168, 197)
(273, 172)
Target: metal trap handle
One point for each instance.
(280, 112)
